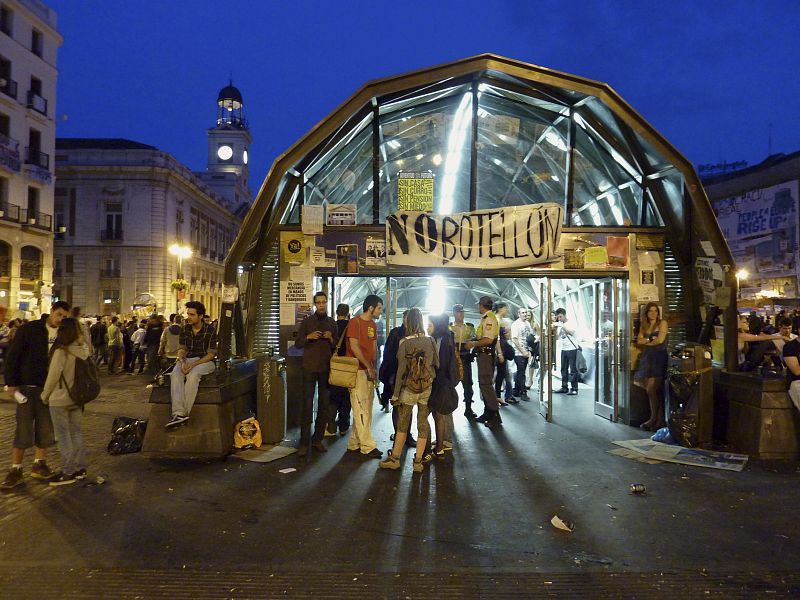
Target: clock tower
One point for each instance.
(228, 149)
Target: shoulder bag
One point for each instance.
(580, 361)
(344, 369)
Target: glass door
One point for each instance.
(611, 326)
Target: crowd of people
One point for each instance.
(41, 359)
(421, 367)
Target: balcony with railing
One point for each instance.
(9, 212)
(36, 219)
(8, 87)
(111, 235)
(37, 102)
(30, 269)
(33, 156)
(9, 152)
(109, 273)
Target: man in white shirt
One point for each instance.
(520, 330)
(566, 345)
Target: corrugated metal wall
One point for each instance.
(267, 312)
(675, 302)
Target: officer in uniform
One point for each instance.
(485, 346)
(463, 333)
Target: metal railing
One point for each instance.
(8, 87)
(109, 273)
(36, 219)
(37, 102)
(111, 235)
(10, 212)
(33, 156)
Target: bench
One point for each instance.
(223, 398)
(761, 420)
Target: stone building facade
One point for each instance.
(29, 43)
(121, 205)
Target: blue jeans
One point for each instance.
(67, 426)
(569, 369)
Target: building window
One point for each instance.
(113, 229)
(6, 20)
(31, 263)
(5, 129)
(33, 206)
(57, 272)
(69, 264)
(3, 194)
(194, 230)
(37, 42)
(110, 267)
(7, 85)
(179, 226)
(110, 301)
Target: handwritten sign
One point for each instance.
(515, 236)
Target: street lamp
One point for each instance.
(740, 274)
(181, 252)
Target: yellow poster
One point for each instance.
(595, 256)
(415, 191)
(293, 247)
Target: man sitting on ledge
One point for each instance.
(198, 346)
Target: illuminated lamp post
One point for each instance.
(179, 285)
(740, 274)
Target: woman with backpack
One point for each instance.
(66, 415)
(417, 363)
(444, 385)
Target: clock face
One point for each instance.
(225, 152)
(245, 156)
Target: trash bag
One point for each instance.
(682, 407)
(664, 436)
(247, 434)
(127, 435)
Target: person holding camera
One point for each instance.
(317, 335)
(563, 333)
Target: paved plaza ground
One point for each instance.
(476, 525)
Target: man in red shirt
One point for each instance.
(362, 343)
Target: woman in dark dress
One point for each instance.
(652, 367)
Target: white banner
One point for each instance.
(515, 236)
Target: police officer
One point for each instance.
(463, 333)
(485, 345)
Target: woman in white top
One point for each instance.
(66, 415)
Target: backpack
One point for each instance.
(86, 385)
(419, 376)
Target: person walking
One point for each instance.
(362, 343)
(99, 335)
(152, 340)
(317, 336)
(65, 414)
(340, 397)
(485, 346)
(25, 376)
(139, 349)
(418, 360)
(114, 345)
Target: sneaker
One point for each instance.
(448, 447)
(329, 432)
(427, 457)
(12, 480)
(176, 421)
(418, 466)
(470, 414)
(41, 471)
(319, 447)
(390, 462)
(62, 478)
(438, 454)
(374, 453)
(572, 393)
(561, 391)
(80, 474)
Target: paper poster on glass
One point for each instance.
(341, 214)
(347, 259)
(573, 258)
(415, 191)
(376, 252)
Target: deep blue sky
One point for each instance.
(710, 75)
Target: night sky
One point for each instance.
(711, 76)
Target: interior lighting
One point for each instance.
(437, 159)
(555, 140)
(455, 145)
(2, 293)
(436, 295)
(419, 156)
